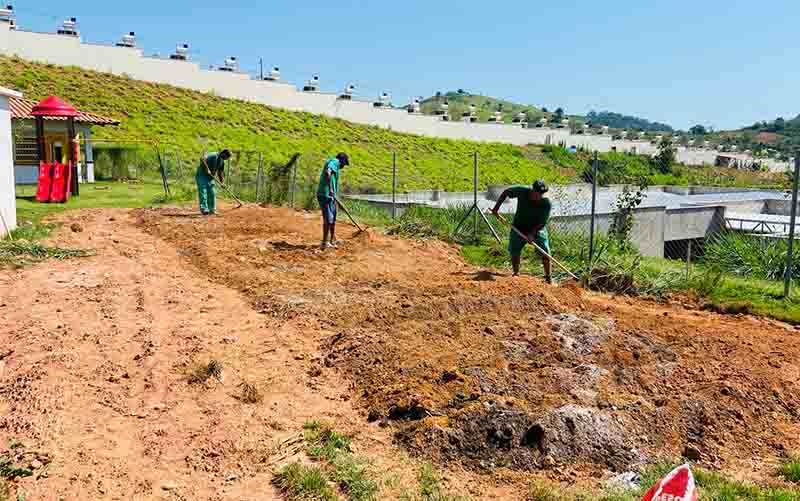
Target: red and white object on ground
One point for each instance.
(677, 486)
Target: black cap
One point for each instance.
(540, 187)
(343, 159)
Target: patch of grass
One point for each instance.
(430, 487)
(349, 471)
(712, 487)
(352, 475)
(323, 442)
(201, 373)
(301, 482)
(250, 393)
(790, 469)
(540, 491)
(124, 195)
(24, 252)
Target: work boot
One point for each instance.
(334, 244)
(549, 279)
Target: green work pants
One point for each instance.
(207, 192)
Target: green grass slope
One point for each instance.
(189, 119)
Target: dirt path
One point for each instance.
(96, 378)
(398, 342)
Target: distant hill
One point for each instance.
(619, 121)
(779, 138)
(459, 101)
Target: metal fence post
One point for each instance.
(259, 177)
(688, 259)
(394, 185)
(792, 220)
(594, 208)
(294, 182)
(475, 194)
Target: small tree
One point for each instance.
(697, 130)
(665, 158)
(622, 223)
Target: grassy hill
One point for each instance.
(460, 100)
(459, 103)
(779, 138)
(188, 119)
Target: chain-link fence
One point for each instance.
(623, 236)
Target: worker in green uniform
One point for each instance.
(326, 196)
(211, 166)
(533, 214)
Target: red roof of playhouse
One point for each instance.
(53, 108)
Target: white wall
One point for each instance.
(65, 50)
(8, 205)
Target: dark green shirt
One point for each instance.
(530, 213)
(324, 188)
(215, 165)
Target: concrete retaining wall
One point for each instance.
(690, 223)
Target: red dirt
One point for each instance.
(463, 366)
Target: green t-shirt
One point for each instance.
(530, 213)
(324, 189)
(215, 165)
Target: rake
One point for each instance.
(527, 239)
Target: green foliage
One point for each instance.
(618, 121)
(750, 255)
(348, 471)
(351, 473)
(790, 469)
(665, 159)
(625, 205)
(301, 482)
(430, 487)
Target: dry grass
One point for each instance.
(250, 394)
(201, 373)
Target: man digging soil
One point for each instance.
(531, 218)
(326, 196)
(211, 166)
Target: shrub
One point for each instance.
(750, 256)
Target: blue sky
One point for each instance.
(723, 63)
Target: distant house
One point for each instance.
(23, 131)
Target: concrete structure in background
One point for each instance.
(177, 70)
(668, 218)
(8, 203)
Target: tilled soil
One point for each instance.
(395, 340)
(489, 371)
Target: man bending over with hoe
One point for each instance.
(211, 166)
(326, 196)
(533, 214)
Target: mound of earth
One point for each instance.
(509, 372)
